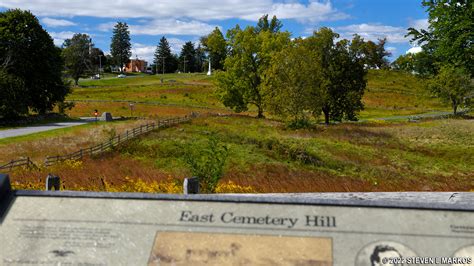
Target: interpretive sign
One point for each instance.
(72, 228)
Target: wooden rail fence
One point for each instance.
(100, 148)
(23, 162)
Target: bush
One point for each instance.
(300, 123)
(207, 163)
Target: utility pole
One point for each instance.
(100, 64)
(184, 63)
(163, 67)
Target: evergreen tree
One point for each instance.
(120, 47)
(200, 59)
(187, 58)
(164, 60)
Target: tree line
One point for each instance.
(260, 66)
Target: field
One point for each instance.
(377, 154)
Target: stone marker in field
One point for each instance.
(106, 116)
(90, 228)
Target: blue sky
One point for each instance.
(186, 20)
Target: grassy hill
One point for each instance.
(265, 156)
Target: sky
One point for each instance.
(187, 20)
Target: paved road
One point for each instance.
(40, 128)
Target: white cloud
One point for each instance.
(315, 11)
(373, 32)
(143, 51)
(59, 37)
(106, 26)
(176, 44)
(414, 50)
(204, 10)
(172, 26)
(51, 22)
(419, 24)
(147, 52)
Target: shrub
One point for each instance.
(207, 163)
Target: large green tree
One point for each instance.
(293, 83)
(450, 33)
(241, 84)
(216, 46)
(77, 55)
(343, 74)
(187, 58)
(453, 86)
(30, 66)
(120, 47)
(165, 61)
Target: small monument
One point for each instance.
(107, 117)
(209, 71)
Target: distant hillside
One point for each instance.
(397, 93)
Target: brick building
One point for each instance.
(136, 65)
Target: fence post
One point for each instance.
(191, 185)
(52, 181)
(81, 153)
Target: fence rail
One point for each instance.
(115, 141)
(23, 162)
(99, 148)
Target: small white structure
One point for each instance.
(209, 71)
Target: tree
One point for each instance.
(77, 56)
(164, 59)
(453, 85)
(422, 64)
(98, 59)
(273, 26)
(30, 65)
(293, 83)
(120, 47)
(450, 34)
(343, 75)
(200, 58)
(216, 46)
(187, 58)
(373, 55)
(241, 84)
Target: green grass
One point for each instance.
(393, 93)
(430, 155)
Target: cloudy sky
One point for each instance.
(187, 20)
